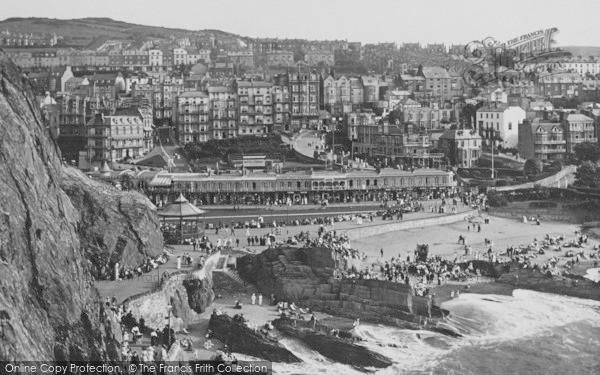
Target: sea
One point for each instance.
(526, 333)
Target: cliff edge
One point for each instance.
(49, 308)
(114, 226)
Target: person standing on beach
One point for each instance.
(381, 252)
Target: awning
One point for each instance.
(161, 181)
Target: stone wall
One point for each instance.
(375, 230)
(188, 293)
(558, 180)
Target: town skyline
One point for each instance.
(312, 20)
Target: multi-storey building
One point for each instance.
(114, 137)
(337, 95)
(326, 58)
(191, 117)
(594, 114)
(304, 99)
(412, 83)
(500, 122)
(542, 140)
(223, 111)
(243, 59)
(578, 128)
(426, 117)
(370, 89)
(375, 137)
(462, 147)
(73, 116)
(155, 57)
(280, 58)
(106, 85)
(356, 93)
(557, 84)
(165, 94)
(255, 107)
(281, 106)
(581, 66)
(437, 82)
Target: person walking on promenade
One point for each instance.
(260, 299)
(381, 252)
(253, 298)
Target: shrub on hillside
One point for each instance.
(497, 200)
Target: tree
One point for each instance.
(588, 174)
(533, 167)
(587, 151)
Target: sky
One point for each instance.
(366, 21)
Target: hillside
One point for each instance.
(583, 50)
(83, 31)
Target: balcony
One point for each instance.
(550, 142)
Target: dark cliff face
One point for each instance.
(48, 306)
(114, 226)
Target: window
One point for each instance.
(510, 126)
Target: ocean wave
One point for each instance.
(488, 323)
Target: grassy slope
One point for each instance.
(90, 28)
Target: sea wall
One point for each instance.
(189, 294)
(306, 276)
(443, 219)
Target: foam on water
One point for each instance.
(484, 320)
(512, 317)
(593, 274)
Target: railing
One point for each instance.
(162, 283)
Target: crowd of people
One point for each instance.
(149, 264)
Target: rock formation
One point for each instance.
(244, 340)
(114, 226)
(48, 306)
(305, 275)
(188, 294)
(335, 348)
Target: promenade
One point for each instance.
(147, 282)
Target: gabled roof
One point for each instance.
(435, 72)
(578, 118)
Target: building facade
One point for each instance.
(462, 147)
(500, 122)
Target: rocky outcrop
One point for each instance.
(114, 226)
(575, 286)
(188, 294)
(48, 305)
(335, 348)
(306, 275)
(246, 341)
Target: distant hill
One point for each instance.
(583, 50)
(83, 31)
